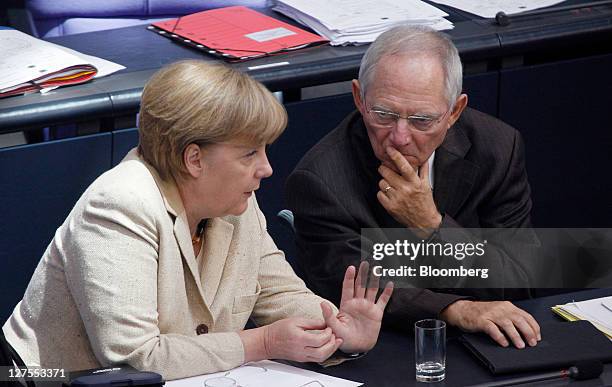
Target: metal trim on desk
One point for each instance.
(551, 36)
(14, 117)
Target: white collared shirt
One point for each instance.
(430, 161)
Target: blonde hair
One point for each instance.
(200, 102)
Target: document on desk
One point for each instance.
(489, 8)
(104, 67)
(28, 64)
(268, 374)
(598, 311)
(236, 33)
(360, 21)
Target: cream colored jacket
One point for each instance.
(119, 282)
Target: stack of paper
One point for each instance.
(28, 65)
(598, 311)
(346, 22)
(489, 8)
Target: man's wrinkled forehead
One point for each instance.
(402, 76)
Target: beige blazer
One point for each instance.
(119, 282)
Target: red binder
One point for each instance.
(236, 33)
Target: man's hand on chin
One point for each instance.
(499, 319)
(407, 196)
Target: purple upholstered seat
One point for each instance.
(66, 17)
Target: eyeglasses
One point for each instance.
(421, 123)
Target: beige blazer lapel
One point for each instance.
(174, 206)
(183, 238)
(217, 239)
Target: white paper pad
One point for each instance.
(24, 58)
(268, 374)
(105, 67)
(598, 311)
(360, 21)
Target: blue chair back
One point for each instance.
(67, 17)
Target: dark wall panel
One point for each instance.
(563, 111)
(309, 121)
(482, 92)
(39, 186)
(123, 141)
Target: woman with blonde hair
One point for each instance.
(165, 257)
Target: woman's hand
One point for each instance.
(358, 322)
(300, 339)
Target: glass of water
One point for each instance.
(430, 350)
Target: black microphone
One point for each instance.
(502, 19)
(581, 371)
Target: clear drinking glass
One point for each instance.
(430, 350)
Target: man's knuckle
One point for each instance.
(496, 335)
(492, 331)
(488, 327)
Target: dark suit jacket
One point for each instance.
(479, 181)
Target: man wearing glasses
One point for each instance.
(414, 156)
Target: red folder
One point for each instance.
(236, 33)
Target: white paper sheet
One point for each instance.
(595, 311)
(268, 374)
(360, 21)
(105, 67)
(341, 14)
(592, 310)
(24, 58)
(489, 8)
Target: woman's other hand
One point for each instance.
(300, 339)
(358, 322)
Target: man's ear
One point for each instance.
(192, 158)
(357, 96)
(459, 107)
